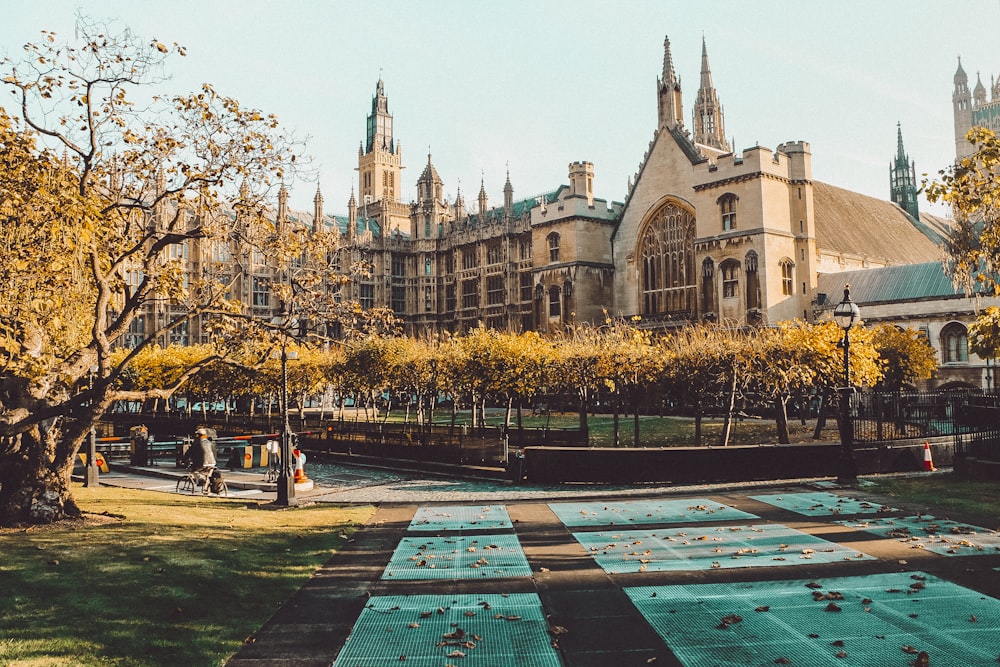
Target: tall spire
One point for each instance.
(508, 195)
(903, 179)
(709, 124)
(318, 210)
(706, 71)
(669, 99)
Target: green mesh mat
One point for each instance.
(644, 512)
(424, 630)
(941, 536)
(884, 620)
(460, 517)
(702, 548)
(459, 557)
(822, 504)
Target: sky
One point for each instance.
(528, 86)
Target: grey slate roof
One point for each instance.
(860, 225)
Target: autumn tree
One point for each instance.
(97, 191)
(904, 355)
(972, 187)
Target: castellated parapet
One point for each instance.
(792, 161)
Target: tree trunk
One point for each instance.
(584, 425)
(635, 422)
(821, 415)
(781, 419)
(35, 469)
(614, 425)
(727, 422)
(697, 423)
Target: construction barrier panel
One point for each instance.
(81, 463)
(250, 456)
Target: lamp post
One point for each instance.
(286, 478)
(846, 314)
(92, 472)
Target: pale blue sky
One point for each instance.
(537, 84)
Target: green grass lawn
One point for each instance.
(945, 492)
(156, 579)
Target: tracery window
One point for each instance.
(665, 252)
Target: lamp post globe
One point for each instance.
(846, 314)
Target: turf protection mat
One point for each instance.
(575, 515)
(884, 620)
(462, 630)
(941, 536)
(822, 504)
(458, 557)
(710, 548)
(460, 517)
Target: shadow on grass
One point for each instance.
(174, 583)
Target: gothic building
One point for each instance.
(703, 232)
(972, 109)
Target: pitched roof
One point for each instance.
(906, 282)
(857, 224)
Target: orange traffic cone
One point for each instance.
(928, 461)
(300, 466)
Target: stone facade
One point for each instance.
(703, 233)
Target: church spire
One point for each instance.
(482, 199)
(317, 211)
(669, 99)
(709, 125)
(508, 195)
(903, 179)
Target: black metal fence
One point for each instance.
(971, 416)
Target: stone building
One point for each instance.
(703, 232)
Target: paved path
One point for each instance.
(602, 625)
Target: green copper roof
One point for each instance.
(906, 282)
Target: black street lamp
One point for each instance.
(846, 314)
(286, 477)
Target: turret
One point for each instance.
(482, 200)
(282, 205)
(352, 217)
(581, 180)
(979, 92)
(459, 205)
(961, 102)
(903, 179)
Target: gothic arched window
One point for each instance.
(753, 280)
(955, 343)
(787, 279)
(708, 286)
(667, 279)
